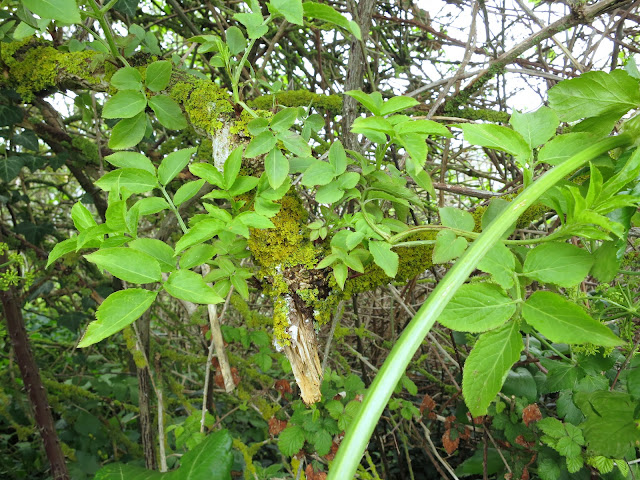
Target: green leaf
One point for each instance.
(593, 94)
(319, 173)
(127, 264)
(128, 132)
(477, 307)
(284, 119)
(456, 218)
(133, 179)
(212, 459)
(416, 145)
(187, 191)
(372, 102)
(159, 250)
(254, 24)
(395, 104)
(448, 247)
(158, 75)
(520, 383)
(260, 144)
(65, 11)
(235, 40)
(562, 321)
(384, 257)
(207, 171)
(198, 233)
(168, 112)
(255, 220)
(535, 127)
(276, 168)
(425, 127)
(322, 441)
(611, 428)
(328, 14)
(291, 440)
(498, 138)
(558, 263)
(151, 205)
(242, 185)
(10, 168)
(488, 365)
(118, 310)
(340, 272)
(66, 246)
(563, 147)
(125, 104)
(338, 157)
(189, 286)
(295, 143)
(127, 78)
(197, 255)
(115, 216)
(82, 218)
(131, 160)
(291, 9)
(232, 166)
(173, 164)
(501, 264)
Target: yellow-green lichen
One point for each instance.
(287, 244)
(205, 103)
(250, 471)
(33, 68)
(281, 320)
(300, 98)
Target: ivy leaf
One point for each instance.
(158, 75)
(173, 164)
(448, 247)
(125, 104)
(384, 257)
(477, 307)
(276, 168)
(127, 264)
(168, 112)
(65, 11)
(291, 440)
(118, 310)
(558, 263)
(488, 365)
(128, 132)
(189, 286)
(10, 168)
(563, 321)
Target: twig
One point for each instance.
(444, 463)
(336, 319)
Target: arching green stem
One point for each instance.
(348, 458)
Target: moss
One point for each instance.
(287, 244)
(281, 320)
(252, 319)
(300, 98)
(87, 147)
(34, 67)
(412, 261)
(130, 340)
(250, 471)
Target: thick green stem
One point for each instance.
(348, 458)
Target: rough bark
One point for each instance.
(355, 73)
(144, 397)
(32, 381)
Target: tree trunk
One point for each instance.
(32, 381)
(355, 73)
